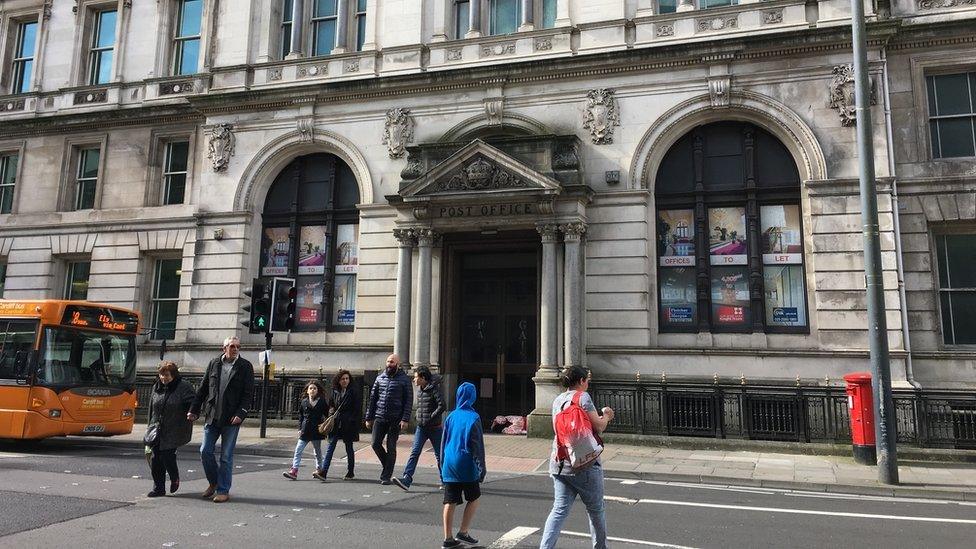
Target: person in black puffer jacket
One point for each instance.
(389, 405)
(170, 401)
(311, 412)
(430, 409)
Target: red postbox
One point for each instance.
(860, 404)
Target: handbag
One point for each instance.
(151, 438)
(328, 424)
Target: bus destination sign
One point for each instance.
(101, 318)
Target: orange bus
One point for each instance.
(66, 368)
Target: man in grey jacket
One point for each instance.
(430, 409)
(387, 413)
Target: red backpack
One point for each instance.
(576, 441)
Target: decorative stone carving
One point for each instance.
(427, 237)
(716, 23)
(502, 48)
(413, 169)
(398, 131)
(565, 158)
(936, 4)
(306, 130)
(126, 4)
(173, 88)
(543, 44)
(480, 174)
(11, 106)
(46, 9)
(93, 96)
(772, 17)
(350, 65)
(548, 232)
(573, 231)
(220, 146)
(406, 237)
(306, 71)
(274, 73)
(494, 108)
(455, 54)
(718, 90)
(662, 30)
(842, 94)
(601, 115)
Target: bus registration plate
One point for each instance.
(93, 429)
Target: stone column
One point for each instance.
(528, 17)
(474, 19)
(425, 242)
(572, 312)
(549, 313)
(686, 5)
(342, 27)
(297, 29)
(404, 287)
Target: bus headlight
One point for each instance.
(127, 413)
(54, 412)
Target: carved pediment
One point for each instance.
(478, 174)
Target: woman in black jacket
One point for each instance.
(346, 400)
(311, 412)
(170, 401)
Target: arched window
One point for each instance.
(311, 234)
(729, 234)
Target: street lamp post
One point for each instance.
(884, 426)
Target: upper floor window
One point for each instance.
(325, 18)
(360, 24)
(165, 297)
(311, 233)
(174, 172)
(729, 234)
(102, 49)
(186, 43)
(505, 16)
(76, 280)
(8, 180)
(957, 287)
(287, 12)
(667, 6)
(952, 114)
(23, 60)
(87, 181)
(462, 17)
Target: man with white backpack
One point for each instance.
(574, 464)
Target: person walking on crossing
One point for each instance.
(311, 412)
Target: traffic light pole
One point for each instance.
(264, 385)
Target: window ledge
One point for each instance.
(340, 66)
(501, 48)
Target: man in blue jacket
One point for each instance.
(462, 465)
(387, 413)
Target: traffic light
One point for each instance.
(258, 318)
(284, 297)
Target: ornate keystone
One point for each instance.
(601, 115)
(398, 131)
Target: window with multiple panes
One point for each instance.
(360, 24)
(23, 60)
(667, 6)
(76, 280)
(324, 22)
(186, 42)
(287, 9)
(705, 4)
(311, 233)
(504, 16)
(165, 297)
(729, 234)
(174, 172)
(102, 47)
(462, 17)
(8, 180)
(86, 182)
(956, 258)
(952, 114)
(548, 20)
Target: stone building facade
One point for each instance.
(499, 188)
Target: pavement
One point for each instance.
(513, 454)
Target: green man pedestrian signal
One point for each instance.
(284, 303)
(259, 309)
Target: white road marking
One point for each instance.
(632, 541)
(808, 512)
(513, 537)
(620, 499)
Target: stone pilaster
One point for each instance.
(572, 294)
(404, 287)
(297, 30)
(426, 239)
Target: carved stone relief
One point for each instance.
(350, 65)
(718, 90)
(543, 44)
(717, 24)
(94, 96)
(172, 88)
(306, 71)
(772, 17)
(479, 174)
(306, 130)
(220, 146)
(842, 94)
(274, 73)
(504, 48)
(601, 115)
(398, 131)
(10, 106)
(664, 29)
(494, 108)
(455, 54)
(936, 4)
(413, 169)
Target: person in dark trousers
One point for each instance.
(223, 399)
(345, 401)
(311, 412)
(463, 465)
(387, 413)
(430, 409)
(171, 400)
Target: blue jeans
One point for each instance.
(300, 448)
(420, 437)
(219, 476)
(588, 485)
(350, 456)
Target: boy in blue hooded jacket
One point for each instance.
(462, 465)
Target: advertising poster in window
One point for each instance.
(730, 296)
(727, 236)
(344, 301)
(275, 249)
(781, 238)
(785, 304)
(678, 296)
(347, 249)
(309, 299)
(311, 250)
(676, 238)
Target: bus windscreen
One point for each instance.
(71, 357)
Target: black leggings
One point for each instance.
(162, 462)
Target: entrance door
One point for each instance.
(498, 310)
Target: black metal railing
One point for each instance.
(943, 419)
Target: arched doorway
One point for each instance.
(729, 234)
(310, 232)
